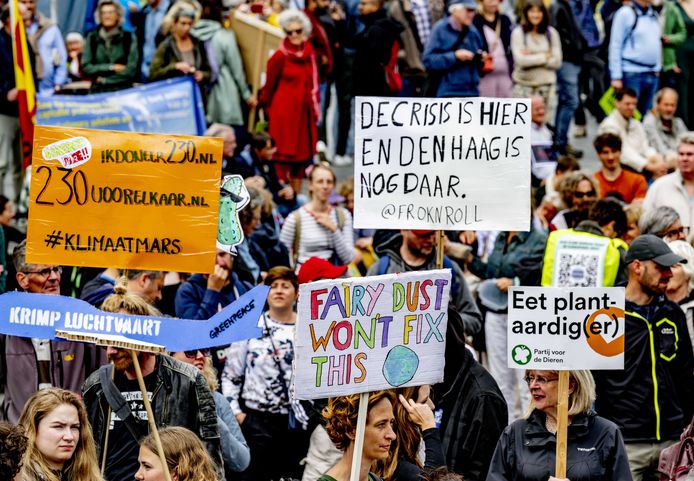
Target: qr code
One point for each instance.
(578, 270)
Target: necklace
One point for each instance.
(551, 425)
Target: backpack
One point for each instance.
(384, 263)
(297, 231)
(676, 461)
(393, 78)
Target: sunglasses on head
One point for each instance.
(194, 353)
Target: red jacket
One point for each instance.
(291, 99)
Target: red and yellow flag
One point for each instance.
(24, 82)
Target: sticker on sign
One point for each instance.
(566, 328)
(69, 152)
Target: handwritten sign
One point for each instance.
(566, 329)
(369, 333)
(442, 163)
(25, 314)
(128, 200)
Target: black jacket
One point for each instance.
(657, 354)
(180, 397)
(474, 410)
(373, 49)
(573, 44)
(7, 80)
(527, 451)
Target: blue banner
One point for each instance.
(24, 314)
(171, 106)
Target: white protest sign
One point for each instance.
(577, 260)
(442, 163)
(368, 333)
(566, 329)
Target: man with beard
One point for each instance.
(413, 250)
(662, 127)
(178, 393)
(652, 399)
(29, 364)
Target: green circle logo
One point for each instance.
(521, 354)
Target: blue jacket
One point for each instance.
(634, 49)
(458, 79)
(195, 301)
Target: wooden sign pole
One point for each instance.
(562, 424)
(150, 416)
(359, 437)
(439, 249)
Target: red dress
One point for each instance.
(291, 99)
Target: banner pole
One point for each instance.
(439, 249)
(150, 415)
(108, 420)
(562, 424)
(359, 438)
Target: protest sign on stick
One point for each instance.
(127, 200)
(460, 164)
(365, 334)
(565, 329)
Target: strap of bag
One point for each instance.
(285, 389)
(297, 235)
(118, 403)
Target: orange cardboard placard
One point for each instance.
(123, 199)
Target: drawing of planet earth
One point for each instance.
(400, 365)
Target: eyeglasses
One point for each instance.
(581, 195)
(298, 31)
(540, 380)
(672, 233)
(47, 271)
(194, 353)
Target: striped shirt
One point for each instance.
(316, 240)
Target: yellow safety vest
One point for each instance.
(580, 259)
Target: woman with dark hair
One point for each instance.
(60, 446)
(536, 56)
(495, 28)
(318, 229)
(13, 443)
(379, 434)
(180, 53)
(291, 99)
(256, 379)
(110, 54)
(414, 423)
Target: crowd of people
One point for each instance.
(75, 412)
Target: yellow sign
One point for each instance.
(122, 199)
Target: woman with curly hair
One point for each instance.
(186, 457)
(379, 435)
(13, 443)
(60, 446)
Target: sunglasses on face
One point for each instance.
(298, 31)
(581, 195)
(194, 353)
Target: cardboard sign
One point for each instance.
(127, 200)
(566, 329)
(442, 163)
(40, 316)
(368, 333)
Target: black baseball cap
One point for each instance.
(648, 247)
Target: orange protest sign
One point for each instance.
(123, 199)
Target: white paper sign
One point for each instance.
(566, 329)
(369, 333)
(443, 163)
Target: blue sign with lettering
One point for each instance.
(25, 314)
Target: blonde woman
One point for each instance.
(60, 446)
(186, 457)
(526, 449)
